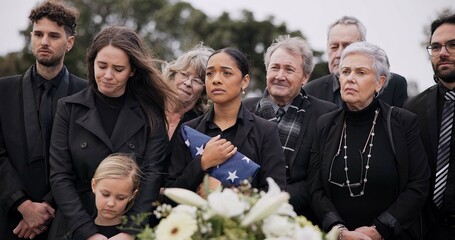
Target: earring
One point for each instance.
(243, 91)
(376, 94)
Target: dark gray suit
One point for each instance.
(327, 88)
(425, 105)
(297, 185)
(23, 170)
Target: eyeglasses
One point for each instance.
(347, 183)
(194, 80)
(435, 48)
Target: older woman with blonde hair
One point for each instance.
(187, 74)
(368, 173)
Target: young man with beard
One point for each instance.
(435, 107)
(27, 107)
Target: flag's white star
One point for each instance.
(200, 150)
(245, 158)
(232, 176)
(187, 142)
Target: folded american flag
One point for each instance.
(232, 171)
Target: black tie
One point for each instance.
(279, 114)
(445, 136)
(45, 113)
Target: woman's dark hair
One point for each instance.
(239, 59)
(147, 84)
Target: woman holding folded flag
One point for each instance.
(236, 141)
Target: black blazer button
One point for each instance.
(83, 144)
(131, 146)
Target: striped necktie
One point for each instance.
(279, 114)
(445, 136)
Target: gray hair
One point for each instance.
(348, 20)
(380, 64)
(295, 45)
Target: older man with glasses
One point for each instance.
(342, 33)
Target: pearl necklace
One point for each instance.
(369, 142)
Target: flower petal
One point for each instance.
(264, 207)
(185, 196)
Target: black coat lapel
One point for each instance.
(91, 120)
(333, 138)
(243, 129)
(329, 88)
(32, 126)
(432, 120)
(62, 90)
(128, 123)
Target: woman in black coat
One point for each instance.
(368, 173)
(122, 111)
(231, 127)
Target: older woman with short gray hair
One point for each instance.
(368, 172)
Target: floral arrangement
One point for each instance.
(232, 213)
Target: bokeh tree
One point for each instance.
(170, 28)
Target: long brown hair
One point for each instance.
(147, 84)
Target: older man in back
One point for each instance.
(289, 63)
(343, 32)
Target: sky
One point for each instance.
(395, 25)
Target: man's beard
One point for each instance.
(49, 62)
(448, 77)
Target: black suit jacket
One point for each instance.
(79, 143)
(412, 168)
(395, 93)
(425, 106)
(23, 171)
(297, 181)
(256, 138)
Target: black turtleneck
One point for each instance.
(381, 187)
(109, 110)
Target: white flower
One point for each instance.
(184, 196)
(277, 226)
(267, 204)
(308, 233)
(280, 238)
(177, 226)
(226, 203)
(286, 209)
(182, 208)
